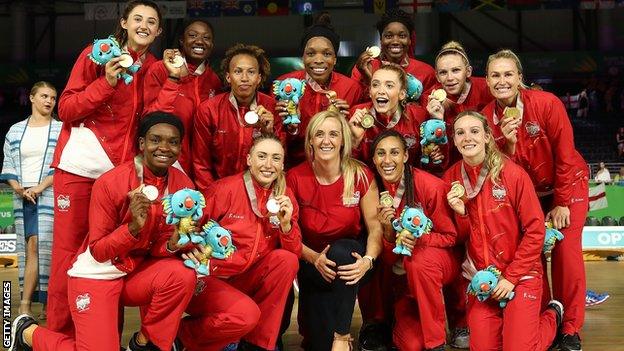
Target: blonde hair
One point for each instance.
(349, 167)
(279, 186)
(494, 159)
(507, 54)
(453, 48)
(41, 84)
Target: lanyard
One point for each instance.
(393, 122)
(470, 191)
(399, 194)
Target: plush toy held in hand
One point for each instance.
(432, 133)
(552, 236)
(413, 222)
(218, 244)
(414, 88)
(290, 90)
(183, 207)
(483, 283)
(106, 49)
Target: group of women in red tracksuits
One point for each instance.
(173, 127)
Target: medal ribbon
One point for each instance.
(393, 121)
(519, 106)
(464, 93)
(251, 194)
(470, 191)
(138, 166)
(399, 194)
(252, 107)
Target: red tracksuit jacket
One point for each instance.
(422, 71)
(221, 140)
(109, 215)
(478, 96)
(505, 222)
(180, 98)
(313, 102)
(408, 126)
(112, 114)
(545, 147)
(324, 218)
(430, 193)
(227, 203)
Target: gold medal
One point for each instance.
(126, 60)
(178, 61)
(385, 199)
(512, 112)
(458, 189)
(439, 94)
(374, 51)
(331, 96)
(367, 121)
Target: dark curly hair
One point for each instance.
(254, 51)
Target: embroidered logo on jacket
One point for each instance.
(354, 201)
(82, 302)
(532, 128)
(499, 192)
(63, 203)
(410, 140)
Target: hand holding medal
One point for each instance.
(511, 121)
(456, 197)
(281, 207)
(174, 63)
(358, 123)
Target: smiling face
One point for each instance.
(142, 26)
(266, 161)
(452, 73)
(160, 147)
(395, 41)
(326, 140)
(319, 59)
(386, 91)
(43, 101)
(197, 42)
(389, 158)
(243, 76)
(503, 79)
(470, 139)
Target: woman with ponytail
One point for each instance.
(398, 39)
(418, 279)
(463, 92)
(500, 212)
(337, 194)
(533, 128)
(262, 214)
(100, 115)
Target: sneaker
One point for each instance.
(372, 338)
(134, 346)
(570, 343)
(461, 338)
(558, 308)
(593, 298)
(20, 324)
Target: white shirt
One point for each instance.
(32, 150)
(603, 176)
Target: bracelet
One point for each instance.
(371, 259)
(174, 78)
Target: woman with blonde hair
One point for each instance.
(534, 130)
(336, 195)
(499, 210)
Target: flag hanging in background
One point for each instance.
(488, 4)
(524, 4)
(379, 7)
(203, 8)
(101, 11)
(453, 5)
(306, 7)
(238, 7)
(172, 9)
(597, 197)
(272, 7)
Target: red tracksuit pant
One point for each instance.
(519, 326)
(164, 286)
(420, 316)
(71, 223)
(267, 282)
(568, 267)
(218, 315)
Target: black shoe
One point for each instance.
(246, 346)
(372, 337)
(558, 308)
(570, 343)
(133, 345)
(20, 324)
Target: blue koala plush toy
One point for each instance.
(552, 236)
(414, 88)
(183, 207)
(218, 244)
(290, 90)
(412, 221)
(483, 283)
(104, 50)
(432, 132)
